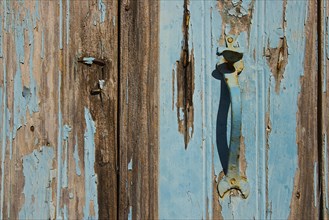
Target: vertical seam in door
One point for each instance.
(118, 109)
(319, 105)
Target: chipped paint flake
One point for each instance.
(326, 170)
(102, 9)
(59, 150)
(42, 54)
(76, 157)
(25, 97)
(91, 204)
(130, 165)
(88, 60)
(37, 172)
(1, 38)
(130, 213)
(66, 131)
(315, 183)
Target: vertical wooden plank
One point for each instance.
(322, 89)
(305, 200)
(139, 72)
(58, 142)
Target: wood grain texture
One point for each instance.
(139, 75)
(305, 200)
(323, 87)
(50, 107)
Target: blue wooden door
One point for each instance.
(278, 144)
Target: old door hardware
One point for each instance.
(99, 89)
(232, 57)
(91, 60)
(100, 85)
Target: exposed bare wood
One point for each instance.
(303, 203)
(139, 75)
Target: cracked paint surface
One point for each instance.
(187, 179)
(37, 168)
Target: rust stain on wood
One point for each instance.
(185, 82)
(277, 59)
(303, 193)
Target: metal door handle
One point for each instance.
(232, 56)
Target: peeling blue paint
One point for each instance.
(315, 183)
(1, 38)
(67, 22)
(65, 212)
(25, 98)
(88, 60)
(130, 164)
(185, 180)
(102, 9)
(66, 131)
(59, 149)
(36, 15)
(36, 169)
(130, 213)
(76, 157)
(42, 55)
(89, 161)
(326, 170)
(19, 39)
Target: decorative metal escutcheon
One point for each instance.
(232, 56)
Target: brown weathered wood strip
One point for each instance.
(303, 203)
(139, 75)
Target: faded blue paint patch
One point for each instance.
(6, 14)
(1, 38)
(88, 60)
(37, 172)
(130, 164)
(67, 22)
(25, 98)
(282, 138)
(66, 131)
(76, 157)
(42, 54)
(19, 40)
(327, 35)
(102, 9)
(185, 176)
(59, 150)
(90, 175)
(65, 212)
(326, 169)
(315, 183)
(130, 213)
(36, 14)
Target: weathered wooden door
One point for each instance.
(283, 144)
(117, 109)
